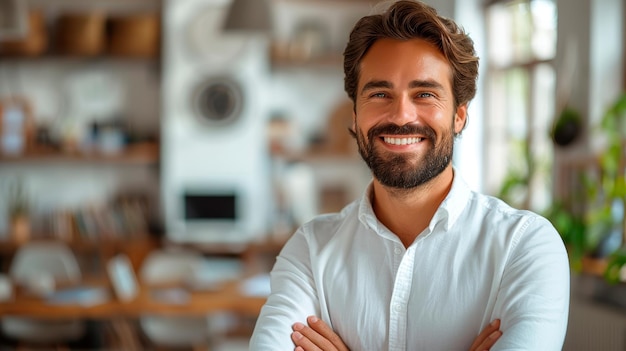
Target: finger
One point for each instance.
(324, 330)
(309, 339)
(489, 341)
(303, 343)
(484, 338)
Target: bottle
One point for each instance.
(15, 126)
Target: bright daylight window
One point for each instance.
(520, 101)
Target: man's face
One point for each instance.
(405, 119)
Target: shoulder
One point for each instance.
(470, 208)
(499, 212)
(511, 226)
(522, 229)
(324, 227)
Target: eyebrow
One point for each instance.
(377, 84)
(426, 84)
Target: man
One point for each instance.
(420, 262)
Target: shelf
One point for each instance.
(317, 157)
(330, 1)
(10, 246)
(144, 154)
(56, 58)
(234, 249)
(269, 246)
(322, 62)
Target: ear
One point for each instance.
(460, 118)
(354, 120)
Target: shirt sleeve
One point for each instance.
(533, 300)
(293, 297)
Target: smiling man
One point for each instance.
(420, 261)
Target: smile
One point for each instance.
(402, 141)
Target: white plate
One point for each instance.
(208, 41)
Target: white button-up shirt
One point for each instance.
(477, 261)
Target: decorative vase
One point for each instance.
(20, 228)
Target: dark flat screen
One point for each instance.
(203, 207)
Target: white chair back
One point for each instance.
(33, 261)
(173, 266)
(52, 258)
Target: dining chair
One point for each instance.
(173, 267)
(35, 263)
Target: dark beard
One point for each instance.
(401, 171)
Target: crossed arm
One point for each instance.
(318, 336)
(533, 296)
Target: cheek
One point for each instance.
(369, 114)
(360, 118)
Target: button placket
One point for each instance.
(399, 300)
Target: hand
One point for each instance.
(317, 336)
(485, 340)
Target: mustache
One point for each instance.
(407, 129)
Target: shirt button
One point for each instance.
(398, 251)
(397, 307)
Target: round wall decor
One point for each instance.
(218, 100)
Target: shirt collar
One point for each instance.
(366, 212)
(448, 212)
(454, 203)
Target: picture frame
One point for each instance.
(123, 278)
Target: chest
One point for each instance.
(380, 296)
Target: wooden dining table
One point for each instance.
(120, 317)
(160, 300)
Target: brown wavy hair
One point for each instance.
(405, 20)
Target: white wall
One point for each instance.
(605, 55)
(469, 153)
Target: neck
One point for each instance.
(408, 212)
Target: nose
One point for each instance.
(404, 111)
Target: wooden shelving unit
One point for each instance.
(144, 154)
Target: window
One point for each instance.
(520, 101)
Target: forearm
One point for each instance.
(293, 298)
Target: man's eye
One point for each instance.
(379, 95)
(425, 95)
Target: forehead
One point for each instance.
(403, 61)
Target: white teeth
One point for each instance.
(402, 141)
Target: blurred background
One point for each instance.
(196, 135)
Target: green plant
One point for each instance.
(514, 189)
(606, 217)
(572, 229)
(610, 196)
(613, 126)
(597, 228)
(18, 201)
(616, 264)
